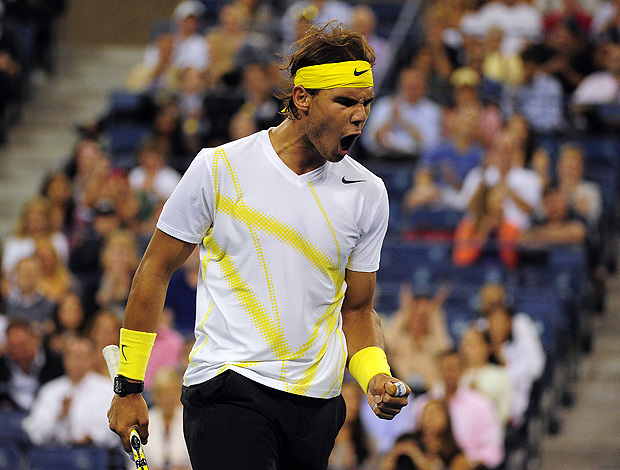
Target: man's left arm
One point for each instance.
(362, 328)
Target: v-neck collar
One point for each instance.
(289, 175)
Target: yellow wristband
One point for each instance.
(135, 351)
(366, 363)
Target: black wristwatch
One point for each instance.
(123, 387)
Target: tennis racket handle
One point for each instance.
(112, 355)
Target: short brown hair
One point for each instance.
(323, 45)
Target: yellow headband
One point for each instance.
(351, 74)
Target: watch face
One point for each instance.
(118, 386)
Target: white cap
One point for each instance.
(189, 8)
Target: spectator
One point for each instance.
(85, 259)
(432, 446)
(190, 48)
(599, 88)
(364, 21)
(55, 279)
(484, 376)
(25, 302)
(573, 56)
(416, 335)
(459, 153)
(540, 98)
(190, 101)
(57, 188)
(556, 224)
(71, 409)
(119, 260)
(69, 321)
(104, 328)
(474, 420)
(354, 448)
(153, 177)
(503, 167)
(515, 344)
(584, 196)
(166, 448)
(504, 68)
(25, 366)
(519, 21)
(432, 60)
(34, 223)
(571, 11)
(606, 22)
(485, 231)
(404, 124)
(167, 350)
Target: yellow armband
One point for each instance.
(135, 351)
(366, 363)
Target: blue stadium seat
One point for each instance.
(124, 102)
(68, 458)
(427, 219)
(10, 457)
(11, 431)
(412, 261)
(126, 137)
(397, 177)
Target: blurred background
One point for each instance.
(495, 129)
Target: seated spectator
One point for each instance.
(404, 124)
(190, 48)
(166, 448)
(516, 346)
(542, 165)
(540, 98)
(159, 76)
(432, 446)
(104, 328)
(353, 448)
(35, 222)
(503, 68)
(556, 224)
(584, 196)
(119, 260)
(25, 301)
(190, 101)
(153, 177)
(597, 89)
(503, 167)
(167, 350)
(364, 21)
(416, 335)
(475, 423)
(568, 10)
(423, 192)
(485, 231)
(69, 321)
(85, 259)
(25, 366)
(573, 56)
(55, 279)
(459, 153)
(57, 188)
(519, 21)
(71, 409)
(484, 376)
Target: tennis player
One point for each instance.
(290, 230)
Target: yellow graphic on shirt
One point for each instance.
(267, 321)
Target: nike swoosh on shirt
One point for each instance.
(346, 181)
(357, 74)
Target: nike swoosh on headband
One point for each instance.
(357, 74)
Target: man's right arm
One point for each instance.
(163, 256)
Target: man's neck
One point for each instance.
(294, 149)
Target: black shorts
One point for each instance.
(233, 423)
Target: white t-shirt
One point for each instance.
(274, 246)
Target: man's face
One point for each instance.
(78, 358)
(335, 118)
(22, 346)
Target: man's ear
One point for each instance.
(301, 98)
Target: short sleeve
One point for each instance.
(367, 253)
(188, 214)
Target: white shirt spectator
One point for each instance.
(86, 417)
(164, 181)
(598, 88)
(166, 446)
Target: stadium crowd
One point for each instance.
(493, 130)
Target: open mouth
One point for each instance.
(346, 143)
